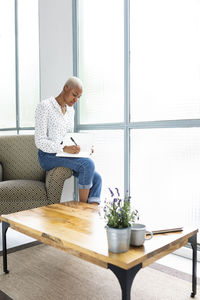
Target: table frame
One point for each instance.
(125, 277)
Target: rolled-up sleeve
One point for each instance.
(41, 132)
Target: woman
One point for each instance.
(54, 117)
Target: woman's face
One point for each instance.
(71, 95)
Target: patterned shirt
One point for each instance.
(51, 125)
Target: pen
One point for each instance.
(73, 141)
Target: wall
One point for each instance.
(56, 51)
(56, 54)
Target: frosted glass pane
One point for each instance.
(165, 172)
(28, 41)
(109, 159)
(27, 132)
(101, 60)
(7, 65)
(13, 132)
(165, 60)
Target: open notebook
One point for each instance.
(83, 139)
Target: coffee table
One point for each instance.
(78, 229)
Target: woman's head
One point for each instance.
(72, 90)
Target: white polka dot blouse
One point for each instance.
(51, 125)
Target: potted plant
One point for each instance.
(119, 219)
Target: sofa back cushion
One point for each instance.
(18, 156)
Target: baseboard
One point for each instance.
(21, 247)
(187, 253)
(173, 272)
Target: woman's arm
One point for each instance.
(41, 128)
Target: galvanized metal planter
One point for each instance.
(118, 239)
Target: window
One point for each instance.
(101, 61)
(152, 119)
(109, 157)
(165, 171)
(19, 60)
(7, 63)
(165, 60)
(28, 54)
(164, 89)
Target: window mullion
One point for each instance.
(75, 54)
(75, 73)
(16, 68)
(126, 95)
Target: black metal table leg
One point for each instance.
(193, 241)
(5, 227)
(125, 278)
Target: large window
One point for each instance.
(19, 61)
(140, 64)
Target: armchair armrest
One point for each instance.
(54, 182)
(1, 172)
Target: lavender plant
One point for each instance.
(117, 211)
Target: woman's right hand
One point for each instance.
(72, 149)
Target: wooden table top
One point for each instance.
(78, 229)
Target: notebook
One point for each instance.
(163, 229)
(82, 139)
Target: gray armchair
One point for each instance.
(23, 183)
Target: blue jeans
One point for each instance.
(83, 169)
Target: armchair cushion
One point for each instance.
(17, 195)
(19, 158)
(55, 179)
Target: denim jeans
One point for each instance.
(83, 169)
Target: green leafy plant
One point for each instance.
(117, 211)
